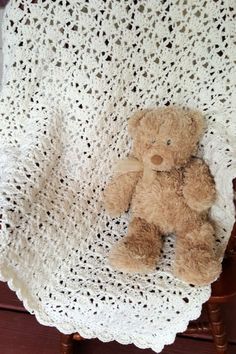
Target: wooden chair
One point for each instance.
(223, 290)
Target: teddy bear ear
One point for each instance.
(135, 120)
(197, 123)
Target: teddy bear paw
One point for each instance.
(126, 259)
(198, 270)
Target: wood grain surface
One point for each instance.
(181, 346)
(20, 333)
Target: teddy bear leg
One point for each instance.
(195, 259)
(139, 251)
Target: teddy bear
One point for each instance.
(168, 191)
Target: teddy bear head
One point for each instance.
(166, 137)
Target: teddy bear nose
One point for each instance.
(156, 159)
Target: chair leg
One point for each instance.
(217, 327)
(66, 344)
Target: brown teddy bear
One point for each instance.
(169, 191)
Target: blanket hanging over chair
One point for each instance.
(74, 71)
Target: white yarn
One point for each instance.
(73, 74)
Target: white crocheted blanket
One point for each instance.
(74, 71)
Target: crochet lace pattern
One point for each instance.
(74, 71)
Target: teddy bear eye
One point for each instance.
(153, 141)
(168, 142)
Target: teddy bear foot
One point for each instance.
(139, 251)
(128, 258)
(201, 270)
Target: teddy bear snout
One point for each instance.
(156, 159)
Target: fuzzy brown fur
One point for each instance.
(168, 191)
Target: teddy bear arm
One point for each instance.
(118, 193)
(199, 187)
